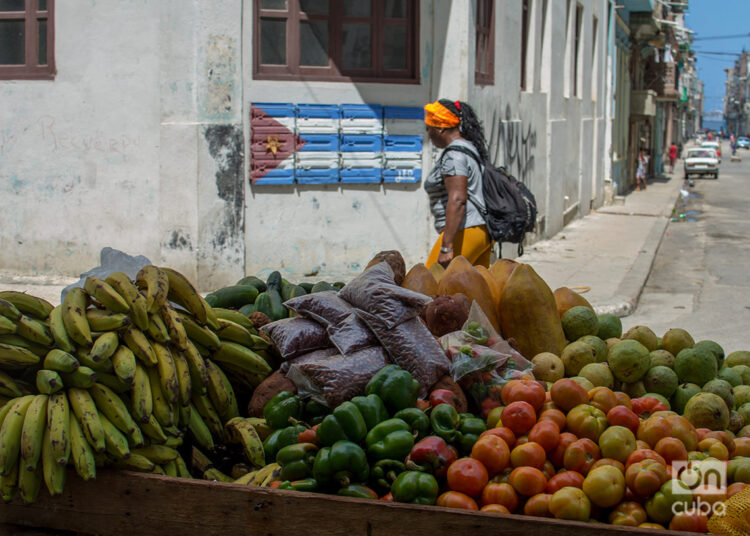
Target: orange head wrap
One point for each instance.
(437, 115)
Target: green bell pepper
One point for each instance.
(469, 430)
(395, 386)
(282, 407)
(372, 409)
(415, 488)
(661, 506)
(417, 419)
(314, 412)
(391, 439)
(359, 491)
(445, 421)
(385, 472)
(296, 461)
(477, 332)
(343, 463)
(306, 484)
(345, 423)
(280, 439)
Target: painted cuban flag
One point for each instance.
(273, 143)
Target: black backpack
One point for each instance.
(510, 210)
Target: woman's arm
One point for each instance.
(455, 209)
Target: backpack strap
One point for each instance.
(475, 156)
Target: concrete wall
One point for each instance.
(141, 142)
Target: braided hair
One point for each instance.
(470, 127)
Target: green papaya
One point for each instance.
(269, 303)
(307, 286)
(292, 291)
(254, 281)
(248, 309)
(320, 286)
(232, 296)
(274, 281)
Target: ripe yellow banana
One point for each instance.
(242, 432)
(48, 381)
(116, 444)
(135, 339)
(162, 410)
(8, 386)
(260, 426)
(200, 334)
(104, 346)
(74, 316)
(115, 410)
(183, 378)
(182, 292)
(28, 304)
(157, 453)
(174, 326)
(152, 429)
(199, 430)
(246, 478)
(61, 361)
(233, 332)
(83, 377)
(57, 329)
(105, 295)
(29, 484)
(155, 285)
(170, 386)
(214, 474)
(7, 327)
(54, 473)
(101, 320)
(209, 414)
(242, 357)
(142, 402)
(263, 474)
(81, 452)
(58, 425)
(10, 433)
(32, 432)
(9, 310)
(157, 330)
(8, 484)
(136, 301)
(34, 331)
(84, 408)
(123, 364)
(220, 392)
(197, 367)
(15, 357)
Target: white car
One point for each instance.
(743, 142)
(702, 161)
(715, 145)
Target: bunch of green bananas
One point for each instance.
(117, 374)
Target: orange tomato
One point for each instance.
(555, 415)
(503, 494)
(565, 479)
(642, 445)
(495, 509)
(456, 499)
(653, 429)
(671, 448)
(622, 416)
(702, 432)
(645, 478)
(714, 448)
(602, 398)
(570, 503)
(741, 447)
(524, 391)
(529, 454)
(623, 399)
(519, 417)
(735, 488)
(608, 461)
(549, 469)
(557, 455)
(644, 454)
(538, 505)
(520, 440)
(567, 394)
(468, 476)
(527, 481)
(493, 452)
(545, 432)
(581, 455)
(503, 432)
(656, 526)
(628, 514)
(691, 520)
(683, 430)
(725, 438)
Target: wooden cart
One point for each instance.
(133, 504)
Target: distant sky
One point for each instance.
(711, 18)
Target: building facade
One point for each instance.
(239, 136)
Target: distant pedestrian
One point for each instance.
(672, 156)
(640, 170)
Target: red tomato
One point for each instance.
(622, 416)
(691, 520)
(567, 394)
(493, 452)
(442, 396)
(527, 481)
(546, 433)
(581, 455)
(557, 455)
(538, 505)
(519, 417)
(503, 432)
(504, 494)
(528, 391)
(565, 479)
(468, 476)
(528, 454)
(644, 454)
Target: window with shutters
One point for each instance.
(484, 66)
(27, 50)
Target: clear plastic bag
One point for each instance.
(324, 307)
(111, 260)
(351, 335)
(412, 347)
(336, 379)
(296, 336)
(375, 292)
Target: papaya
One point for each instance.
(274, 281)
(322, 286)
(501, 270)
(437, 270)
(394, 260)
(462, 277)
(566, 298)
(270, 304)
(254, 281)
(307, 286)
(232, 296)
(528, 314)
(491, 282)
(420, 279)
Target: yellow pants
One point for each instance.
(474, 243)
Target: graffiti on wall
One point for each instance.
(512, 143)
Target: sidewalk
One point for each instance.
(610, 250)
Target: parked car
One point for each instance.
(702, 161)
(715, 145)
(743, 142)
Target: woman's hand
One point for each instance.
(445, 259)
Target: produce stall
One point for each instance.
(439, 400)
